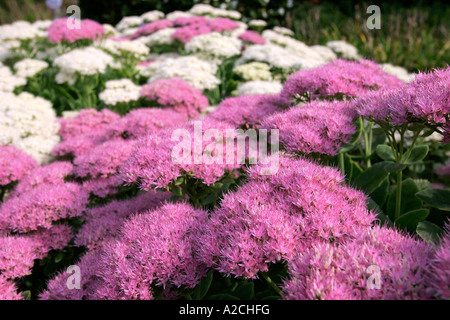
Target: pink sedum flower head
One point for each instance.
(150, 164)
(103, 223)
(51, 174)
(42, 205)
(64, 29)
(425, 100)
(140, 122)
(272, 217)
(317, 127)
(156, 248)
(339, 77)
(177, 94)
(86, 121)
(8, 290)
(14, 164)
(246, 111)
(103, 160)
(440, 279)
(194, 26)
(325, 271)
(152, 27)
(252, 37)
(18, 252)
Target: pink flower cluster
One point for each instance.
(14, 164)
(339, 77)
(156, 248)
(252, 37)
(440, 280)
(246, 111)
(8, 290)
(425, 100)
(42, 205)
(152, 27)
(194, 26)
(63, 29)
(177, 94)
(272, 217)
(51, 174)
(379, 264)
(152, 169)
(317, 127)
(18, 252)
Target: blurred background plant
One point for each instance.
(413, 34)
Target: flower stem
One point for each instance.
(398, 200)
(271, 283)
(341, 163)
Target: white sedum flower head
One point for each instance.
(344, 49)
(152, 16)
(254, 71)
(86, 61)
(198, 73)
(214, 45)
(129, 22)
(27, 68)
(28, 123)
(259, 87)
(120, 48)
(120, 91)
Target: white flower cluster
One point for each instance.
(214, 46)
(205, 9)
(86, 61)
(283, 31)
(125, 47)
(399, 72)
(276, 57)
(254, 71)
(8, 81)
(110, 30)
(27, 68)
(259, 87)
(199, 74)
(117, 91)
(257, 23)
(28, 123)
(129, 23)
(152, 16)
(325, 53)
(21, 30)
(344, 49)
(291, 45)
(163, 36)
(178, 14)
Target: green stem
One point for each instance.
(398, 200)
(341, 163)
(368, 143)
(271, 283)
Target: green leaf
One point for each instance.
(438, 198)
(429, 232)
(59, 257)
(372, 205)
(417, 154)
(385, 152)
(222, 296)
(245, 291)
(412, 218)
(373, 177)
(381, 193)
(409, 201)
(355, 138)
(26, 295)
(179, 181)
(204, 285)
